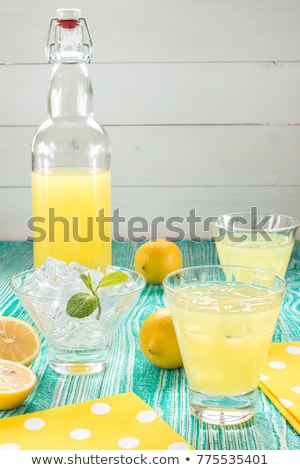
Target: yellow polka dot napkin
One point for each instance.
(114, 423)
(280, 380)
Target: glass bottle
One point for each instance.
(71, 187)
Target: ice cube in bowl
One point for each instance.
(76, 345)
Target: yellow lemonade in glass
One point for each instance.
(255, 239)
(224, 343)
(248, 249)
(68, 209)
(224, 317)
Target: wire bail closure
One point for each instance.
(84, 45)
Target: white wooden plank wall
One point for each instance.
(201, 99)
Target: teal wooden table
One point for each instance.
(163, 390)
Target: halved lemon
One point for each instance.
(16, 382)
(19, 341)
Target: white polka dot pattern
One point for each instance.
(146, 416)
(128, 442)
(34, 424)
(263, 377)
(293, 349)
(118, 422)
(280, 380)
(100, 408)
(9, 446)
(80, 434)
(277, 365)
(285, 402)
(179, 446)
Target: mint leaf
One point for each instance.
(82, 305)
(86, 278)
(112, 279)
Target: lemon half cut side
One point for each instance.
(16, 383)
(19, 341)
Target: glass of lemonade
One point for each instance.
(224, 326)
(255, 239)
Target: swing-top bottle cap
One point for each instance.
(69, 39)
(68, 14)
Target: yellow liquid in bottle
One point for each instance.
(68, 209)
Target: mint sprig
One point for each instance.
(83, 304)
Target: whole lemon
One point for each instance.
(157, 258)
(158, 341)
